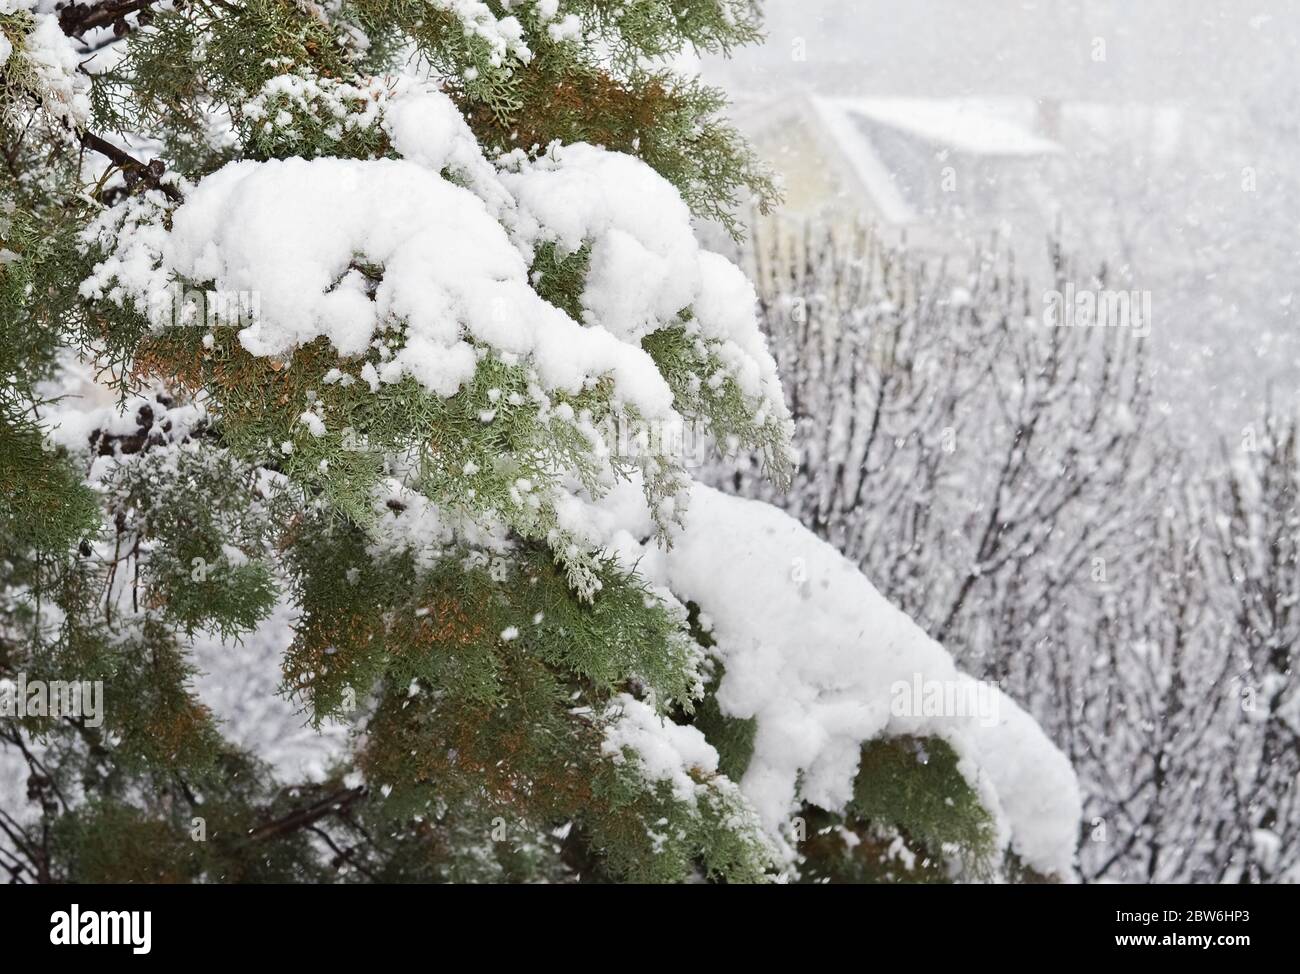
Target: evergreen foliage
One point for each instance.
(446, 609)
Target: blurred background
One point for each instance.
(1105, 521)
(1157, 139)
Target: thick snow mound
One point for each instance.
(439, 243)
(823, 663)
(646, 266)
(292, 232)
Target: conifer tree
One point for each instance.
(367, 329)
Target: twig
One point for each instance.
(303, 817)
(150, 174)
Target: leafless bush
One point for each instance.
(1008, 485)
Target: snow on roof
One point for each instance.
(965, 125)
(856, 148)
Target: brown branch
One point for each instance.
(76, 19)
(303, 817)
(343, 855)
(149, 174)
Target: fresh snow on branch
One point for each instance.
(812, 651)
(46, 64)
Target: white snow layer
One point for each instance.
(288, 230)
(664, 751)
(455, 257)
(50, 59)
(812, 651)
